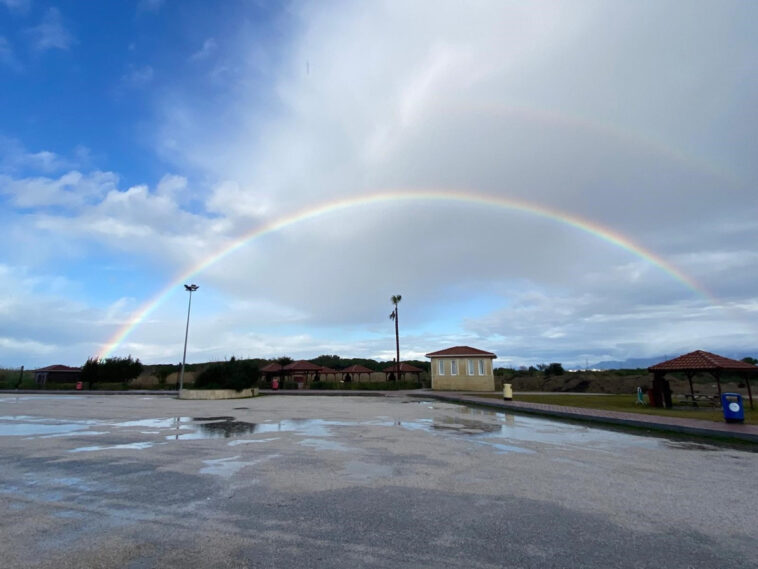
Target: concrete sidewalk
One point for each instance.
(698, 427)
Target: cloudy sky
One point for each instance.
(551, 181)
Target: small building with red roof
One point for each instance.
(462, 368)
(57, 374)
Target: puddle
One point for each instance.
(225, 429)
(171, 423)
(230, 428)
(321, 444)
(27, 426)
(502, 432)
(221, 418)
(465, 426)
(250, 441)
(126, 446)
(228, 467)
(38, 397)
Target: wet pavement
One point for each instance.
(147, 481)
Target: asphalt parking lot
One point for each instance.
(139, 482)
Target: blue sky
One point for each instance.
(138, 139)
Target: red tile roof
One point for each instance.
(357, 369)
(404, 368)
(302, 365)
(271, 368)
(59, 367)
(325, 369)
(461, 351)
(700, 360)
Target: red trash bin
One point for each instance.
(651, 397)
(78, 384)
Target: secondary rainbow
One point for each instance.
(393, 196)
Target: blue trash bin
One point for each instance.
(734, 410)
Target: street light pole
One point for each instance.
(190, 289)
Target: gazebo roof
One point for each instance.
(404, 368)
(59, 367)
(700, 360)
(357, 369)
(271, 368)
(325, 369)
(302, 365)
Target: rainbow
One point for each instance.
(469, 197)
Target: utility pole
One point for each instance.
(190, 289)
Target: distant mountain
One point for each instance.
(631, 363)
(634, 363)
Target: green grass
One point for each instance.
(626, 403)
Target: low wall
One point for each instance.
(463, 383)
(217, 393)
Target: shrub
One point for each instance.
(111, 370)
(234, 374)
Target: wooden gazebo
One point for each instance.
(327, 371)
(404, 368)
(700, 361)
(301, 371)
(349, 372)
(271, 371)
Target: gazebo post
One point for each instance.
(692, 390)
(749, 391)
(717, 375)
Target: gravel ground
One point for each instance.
(139, 482)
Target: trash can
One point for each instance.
(507, 392)
(79, 385)
(275, 384)
(651, 397)
(734, 410)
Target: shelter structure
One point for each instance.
(696, 362)
(301, 371)
(393, 371)
(57, 374)
(355, 370)
(327, 371)
(463, 368)
(271, 371)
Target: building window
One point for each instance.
(441, 367)
(470, 367)
(481, 367)
(453, 367)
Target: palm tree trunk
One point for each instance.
(397, 345)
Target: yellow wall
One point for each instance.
(463, 381)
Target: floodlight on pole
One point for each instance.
(190, 289)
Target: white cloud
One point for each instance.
(138, 76)
(153, 6)
(21, 6)
(208, 48)
(72, 189)
(622, 116)
(42, 324)
(8, 56)
(51, 33)
(14, 157)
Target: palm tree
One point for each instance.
(395, 299)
